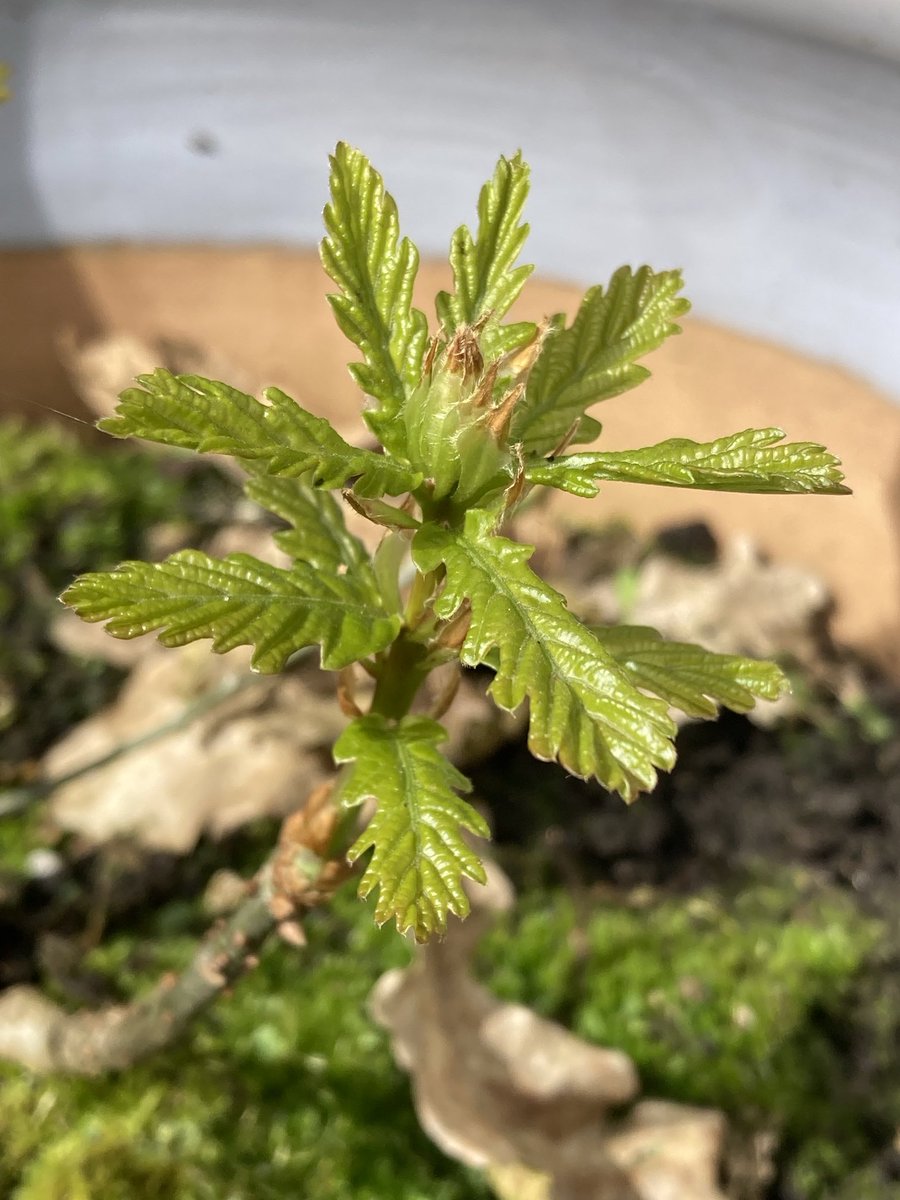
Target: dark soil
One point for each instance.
(740, 795)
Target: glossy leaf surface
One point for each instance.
(485, 276)
(238, 601)
(756, 460)
(375, 270)
(584, 711)
(687, 677)
(318, 534)
(596, 357)
(419, 855)
(278, 438)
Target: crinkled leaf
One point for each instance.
(375, 270)
(687, 677)
(595, 358)
(756, 460)
(278, 438)
(318, 534)
(572, 473)
(584, 711)
(420, 856)
(238, 601)
(485, 277)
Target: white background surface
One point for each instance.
(759, 156)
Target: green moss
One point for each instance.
(719, 1002)
(19, 834)
(67, 508)
(820, 1168)
(287, 1089)
(733, 1003)
(867, 1184)
(284, 1090)
(115, 1157)
(62, 504)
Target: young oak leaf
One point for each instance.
(584, 710)
(239, 601)
(318, 534)
(277, 438)
(686, 676)
(420, 856)
(756, 460)
(375, 271)
(485, 277)
(595, 358)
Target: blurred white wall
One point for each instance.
(761, 155)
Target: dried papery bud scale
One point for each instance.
(457, 431)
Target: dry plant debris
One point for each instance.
(307, 866)
(255, 753)
(500, 1088)
(256, 744)
(738, 604)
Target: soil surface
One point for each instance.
(739, 796)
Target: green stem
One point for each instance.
(402, 673)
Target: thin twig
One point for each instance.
(40, 1035)
(305, 869)
(16, 800)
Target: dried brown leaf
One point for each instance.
(501, 1088)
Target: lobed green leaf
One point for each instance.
(420, 856)
(279, 437)
(595, 358)
(239, 601)
(486, 280)
(318, 534)
(584, 710)
(756, 460)
(686, 676)
(375, 271)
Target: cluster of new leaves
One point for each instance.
(468, 422)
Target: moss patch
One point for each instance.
(742, 1003)
(67, 508)
(284, 1090)
(287, 1089)
(19, 834)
